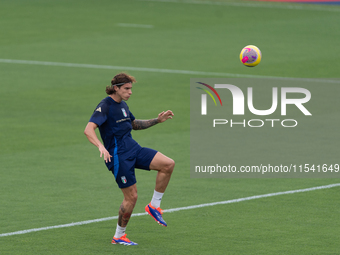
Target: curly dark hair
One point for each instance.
(119, 80)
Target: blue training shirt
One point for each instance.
(114, 123)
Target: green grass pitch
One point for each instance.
(51, 175)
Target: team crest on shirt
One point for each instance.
(123, 179)
(124, 112)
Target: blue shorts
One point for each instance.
(124, 169)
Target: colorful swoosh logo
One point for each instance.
(208, 92)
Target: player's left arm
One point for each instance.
(143, 124)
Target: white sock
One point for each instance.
(119, 231)
(156, 199)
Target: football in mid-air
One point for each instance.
(250, 55)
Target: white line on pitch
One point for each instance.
(295, 6)
(157, 70)
(134, 25)
(175, 209)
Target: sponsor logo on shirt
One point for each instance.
(118, 121)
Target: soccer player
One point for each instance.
(122, 154)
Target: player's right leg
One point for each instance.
(125, 211)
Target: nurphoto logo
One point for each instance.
(238, 97)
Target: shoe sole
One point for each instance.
(126, 244)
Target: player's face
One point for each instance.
(124, 91)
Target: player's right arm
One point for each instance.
(92, 137)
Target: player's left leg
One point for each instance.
(165, 166)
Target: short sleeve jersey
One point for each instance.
(114, 123)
